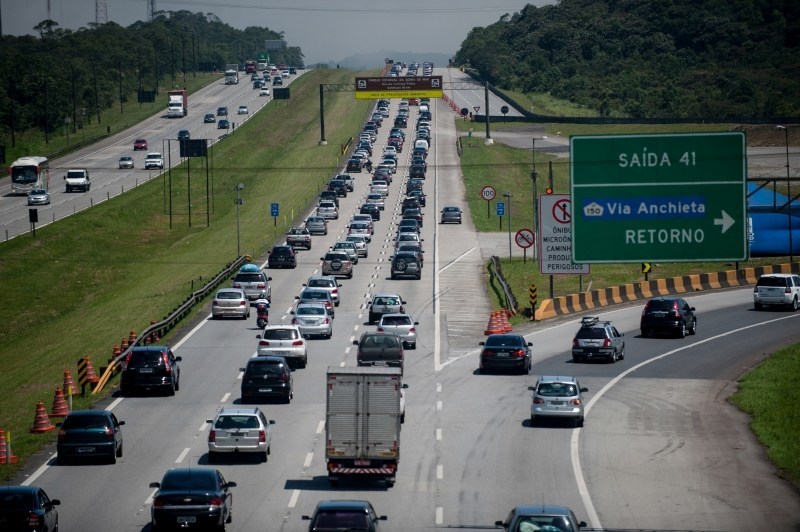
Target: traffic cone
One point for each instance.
(69, 384)
(41, 423)
(91, 376)
(132, 337)
(6, 457)
(494, 326)
(60, 407)
(504, 323)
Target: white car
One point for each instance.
(360, 229)
(284, 341)
(230, 302)
(379, 187)
(777, 289)
(401, 325)
(264, 91)
(154, 159)
(239, 430)
(243, 110)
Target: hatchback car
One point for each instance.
(267, 377)
(313, 320)
(451, 215)
(348, 247)
(38, 196)
(379, 349)
(253, 282)
(385, 303)
(126, 161)
(184, 134)
(223, 124)
(597, 339)
(557, 398)
(408, 225)
(322, 295)
(327, 210)
(671, 315)
(406, 264)
(282, 257)
(27, 508)
(327, 282)
(264, 91)
(150, 367)
(361, 244)
(541, 517)
(401, 325)
(90, 434)
(299, 237)
(284, 341)
(780, 289)
(230, 302)
(192, 497)
(376, 199)
(242, 110)
(337, 263)
(354, 165)
(239, 430)
(420, 195)
(209, 118)
(344, 515)
(372, 209)
(317, 225)
(505, 351)
(360, 228)
(140, 144)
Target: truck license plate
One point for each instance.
(362, 462)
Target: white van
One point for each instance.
(421, 143)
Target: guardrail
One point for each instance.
(496, 271)
(171, 320)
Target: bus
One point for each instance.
(250, 66)
(29, 173)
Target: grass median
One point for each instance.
(82, 284)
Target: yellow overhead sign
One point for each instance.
(399, 87)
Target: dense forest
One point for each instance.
(62, 76)
(645, 58)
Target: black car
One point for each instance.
(27, 508)
(152, 367)
(505, 351)
(366, 146)
(411, 202)
(597, 339)
(417, 171)
(414, 184)
(420, 161)
(401, 121)
(344, 515)
(222, 111)
(258, 83)
(329, 195)
(196, 497)
(406, 264)
(267, 376)
(339, 186)
(671, 315)
(223, 124)
(413, 214)
(354, 165)
(372, 209)
(90, 434)
(184, 134)
(420, 195)
(282, 257)
(420, 152)
(209, 118)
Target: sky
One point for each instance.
(325, 30)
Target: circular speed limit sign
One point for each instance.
(488, 193)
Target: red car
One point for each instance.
(139, 144)
(413, 101)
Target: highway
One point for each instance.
(661, 448)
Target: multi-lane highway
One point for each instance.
(661, 448)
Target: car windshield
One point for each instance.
(281, 334)
(16, 501)
(557, 389)
(552, 523)
(188, 480)
(248, 278)
(315, 295)
(660, 304)
(387, 301)
(396, 320)
(228, 294)
(320, 282)
(84, 421)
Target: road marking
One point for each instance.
(309, 458)
(203, 427)
(321, 427)
(438, 387)
(293, 498)
(225, 397)
(575, 441)
(183, 455)
(438, 406)
(439, 434)
(439, 515)
(439, 472)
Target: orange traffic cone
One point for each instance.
(6, 456)
(494, 326)
(41, 423)
(60, 407)
(69, 384)
(91, 376)
(132, 337)
(504, 323)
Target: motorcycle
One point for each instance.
(262, 311)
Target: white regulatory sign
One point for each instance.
(555, 236)
(488, 193)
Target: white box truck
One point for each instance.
(362, 423)
(231, 74)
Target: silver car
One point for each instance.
(337, 263)
(557, 397)
(361, 244)
(239, 430)
(126, 161)
(401, 325)
(451, 215)
(376, 198)
(317, 225)
(38, 196)
(327, 210)
(329, 283)
(313, 320)
(349, 248)
(230, 302)
(253, 282)
(360, 228)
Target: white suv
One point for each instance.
(777, 289)
(154, 160)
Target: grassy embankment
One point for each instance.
(84, 283)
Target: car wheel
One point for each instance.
(288, 398)
(575, 359)
(171, 389)
(212, 457)
(579, 422)
(682, 330)
(178, 384)
(263, 457)
(350, 275)
(693, 330)
(645, 333)
(758, 306)
(113, 458)
(119, 451)
(393, 277)
(533, 421)
(795, 304)
(622, 352)
(304, 363)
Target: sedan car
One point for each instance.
(299, 237)
(267, 377)
(401, 325)
(362, 229)
(140, 144)
(223, 124)
(209, 118)
(230, 302)
(329, 283)
(222, 111)
(239, 430)
(671, 315)
(126, 161)
(282, 256)
(505, 351)
(90, 434)
(377, 199)
(348, 247)
(38, 196)
(328, 210)
(451, 215)
(284, 341)
(322, 295)
(184, 134)
(242, 110)
(313, 320)
(317, 225)
(557, 397)
(541, 517)
(344, 515)
(192, 497)
(361, 244)
(27, 508)
(372, 209)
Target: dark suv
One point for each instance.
(597, 339)
(151, 367)
(282, 257)
(406, 264)
(267, 376)
(379, 349)
(672, 315)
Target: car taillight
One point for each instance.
(380, 329)
(576, 342)
(262, 436)
(326, 321)
(127, 361)
(215, 303)
(402, 309)
(518, 353)
(108, 433)
(212, 436)
(787, 290)
(488, 353)
(242, 302)
(62, 434)
(33, 521)
(297, 342)
(165, 358)
(606, 342)
(284, 377)
(263, 343)
(237, 285)
(538, 400)
(216, 501)
(262, 286)
(412, 329)
(158, 502)
(294, 321)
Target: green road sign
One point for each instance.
(645, 198)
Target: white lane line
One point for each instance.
(575, 440)
(225, 397)
(439, 515)
(321, 427)
(439, 434)
(203, 427)
(455, 260)
(183, 455)
(438, 387)
(439, 472)
(293, 498)
(149, 500)
(309, 458)
(438, 406)
(341, 364)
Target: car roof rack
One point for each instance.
(588, 321)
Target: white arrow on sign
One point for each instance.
(726, 221)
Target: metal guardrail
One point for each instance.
(171, 320)
(497, 271)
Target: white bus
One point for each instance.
(29, 173)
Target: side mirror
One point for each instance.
(297, 297)
(405, 386)
(209, 421)
(178, 359)
(230, 484)
(530, 344)
(120, 423)
(531, 388)
(416, 323)
(355, 342)
(584, 389)
(271, 421)
(692, 309)
(481, 343)
(155, 484)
